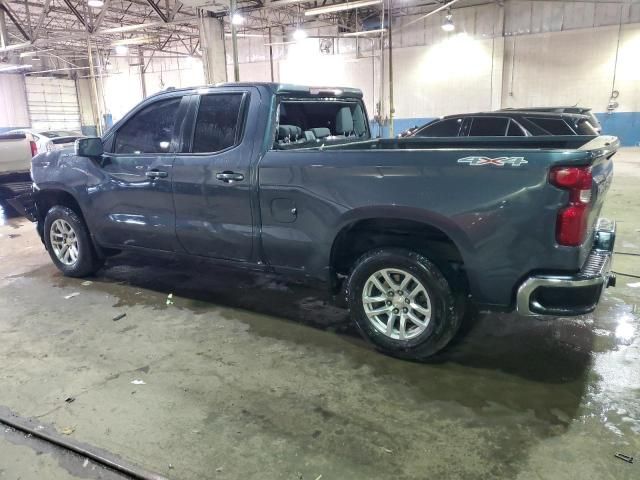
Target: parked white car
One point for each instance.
(51, 140)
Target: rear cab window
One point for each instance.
(449, 127)
(308, 123)
(584, 127)
(489, 127)
(551, 126)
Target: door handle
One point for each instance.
(229, 177)
(156, 174)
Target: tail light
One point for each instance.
(34, 148)
(571, 225)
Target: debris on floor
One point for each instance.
(70, 399)
(67, 430)
(633, 285)
(170, 299)
(623, 457)
(119, 317)
(71, 295)
(86, 283)
(138, 382)
(86, 462)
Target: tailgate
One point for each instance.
(601, 150)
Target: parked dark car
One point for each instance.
(506, 123)
(593, 120)
(287, 179)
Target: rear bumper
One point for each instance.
(569, 295)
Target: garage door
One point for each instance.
(53, 103)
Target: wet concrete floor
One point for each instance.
(247, 376)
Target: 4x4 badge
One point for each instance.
(499, 162)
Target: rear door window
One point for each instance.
(217, 123)
(489, 127)
(443, 128)
(552, 126)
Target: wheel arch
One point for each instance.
(48, 197)
(378, 227)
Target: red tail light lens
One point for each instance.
(571, 225)
(34, 148)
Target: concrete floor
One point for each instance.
(249, 377)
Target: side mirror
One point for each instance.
(89, 147)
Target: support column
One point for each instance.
(4, 38)
(214, 59)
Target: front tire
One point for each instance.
(67, 240)
(403, 304)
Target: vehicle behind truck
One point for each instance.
(16, 151)
(288, 179)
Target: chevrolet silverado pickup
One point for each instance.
(288, 179)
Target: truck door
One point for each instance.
(212, 182)
(134, 205)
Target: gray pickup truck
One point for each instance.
(288, 179)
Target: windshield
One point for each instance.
(305, 123)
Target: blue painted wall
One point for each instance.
(624, 125)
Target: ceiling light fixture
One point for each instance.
(34, 53)
(11, 68)
(340, 7)
(132, 41)
(363, 33)
(447, 24)
(122, 49)
(95, 3)
(237, 19)
(299, 34)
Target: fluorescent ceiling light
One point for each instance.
(363, 33)
(95, 3)
(340, 7)
(34, 53)
(246, 35)
(299, 34)
(286, 2)
(279, 43)
(448, 25)
(122, 49)
(237, 19)
(12, 68)
(132, 41)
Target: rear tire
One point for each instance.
(67, 240)
(403, 304)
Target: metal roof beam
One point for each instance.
(158, 11)
(77, 14)
(14, 19)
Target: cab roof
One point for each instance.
(277, 89)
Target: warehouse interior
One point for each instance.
(157, 369)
